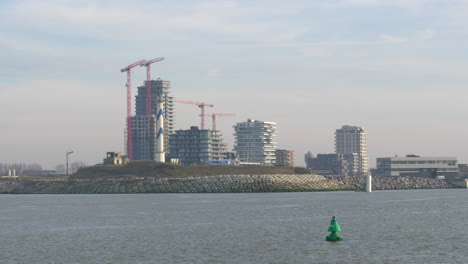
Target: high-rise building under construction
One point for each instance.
(144, 126)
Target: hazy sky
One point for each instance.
(396, 67)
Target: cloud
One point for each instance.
(121, 20)
(426, 34)
(391, 39)
(316, 52)
(213, 74)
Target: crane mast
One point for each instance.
(128, 69)
(214, 115)
(202, 107)
(148, 82)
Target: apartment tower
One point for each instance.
(255, 142)
(350, 141)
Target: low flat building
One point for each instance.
(413, 165)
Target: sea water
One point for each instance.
(413, 226)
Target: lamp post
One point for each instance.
(68, 154)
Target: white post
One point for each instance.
(369, 183)
(14, 172)
(9, 173)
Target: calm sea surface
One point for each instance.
(420, 226)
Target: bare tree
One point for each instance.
(33, 167)
(19, 167)
(60, 169)
(75, 166)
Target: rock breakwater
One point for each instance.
(392, 183)
(212, 184)
(203, 184)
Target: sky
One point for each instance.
(395, 67)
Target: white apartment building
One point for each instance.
(255, 142)
(351, 142)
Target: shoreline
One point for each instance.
(211, 184)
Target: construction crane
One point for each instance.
(214, 115)
(128, 69)
(202, 107)
(148, 82)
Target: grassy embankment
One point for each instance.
(167, 170)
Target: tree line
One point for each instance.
(22, 169)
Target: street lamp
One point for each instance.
(68, 154)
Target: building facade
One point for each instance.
(463, 170)
(143, 127)
(144, 137)
(327, 164)
(255, 142)
(284, 157)
(413, 165)
(194, 146)
(114, 158)
(350, 141)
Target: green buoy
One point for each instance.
(334, 229)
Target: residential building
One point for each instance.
(413, 165)
(463, 170)
(327, 164)
(284, 157)
(144, 137)
(194, 146)
(350, 141)
(255, 142)
(143, 132)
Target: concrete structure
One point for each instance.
(160, 93)
(194, 146)
(255, 142)
(144, 137)
(160, 150)
(369, 183)
(284, 157)
(351, 142)
(114, 158)
(327, 164)
(413, 165)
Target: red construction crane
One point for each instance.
(128, 69)
(202, 107)
(214, 115)
(148, 80)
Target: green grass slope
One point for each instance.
(165, 170)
